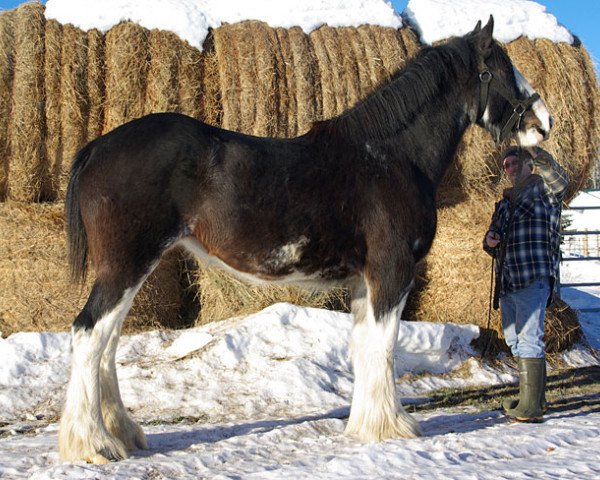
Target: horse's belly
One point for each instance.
(275, 269)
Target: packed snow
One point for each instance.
(432, 19)
(266, 396)
(436, 20)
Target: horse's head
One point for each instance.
(507, 105)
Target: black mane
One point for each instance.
(396, 104)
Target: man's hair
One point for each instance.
(522, 154)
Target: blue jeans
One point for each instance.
(523, 313)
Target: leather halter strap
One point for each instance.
(519, 106)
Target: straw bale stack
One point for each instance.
(126, 63)
(304, 104)
(74, 100)
(222, 296)
(162, 88)
(29, 170)
(6, 76)
(191, 73)
(96, 90)
(52, 86)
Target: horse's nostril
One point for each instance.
(551, 123)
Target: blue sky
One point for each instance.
(581, 17)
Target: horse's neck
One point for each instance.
(431, 141)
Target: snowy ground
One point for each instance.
(267, 396)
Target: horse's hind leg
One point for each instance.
(83, 433)
(117, 420)
(377, 304)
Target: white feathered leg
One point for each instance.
(117, 420)
(83, 434)
(375, 414)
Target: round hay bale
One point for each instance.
(327, 54)
(167, 298)
(372, 71)
(73, 99)
(352, 55)
(190, 81)
(288, 102)
(308, 101)
(228, 61)
(36, 294)
(162, 86)
(126, 64)
(7, 48)
(96, 91)
(52, 85)
(211, 106)
(267, 94)
(29, 167)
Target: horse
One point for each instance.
(349, 203)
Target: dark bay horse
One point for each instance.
(351, 202)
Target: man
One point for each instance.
(524, 239)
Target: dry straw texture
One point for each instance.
(6, 76)
(52, 87)
(29, 177)
(60, 87)
(126, 64)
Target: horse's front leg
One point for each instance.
(377, 304)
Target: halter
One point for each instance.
(519, 106)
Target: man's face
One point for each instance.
(515, 170)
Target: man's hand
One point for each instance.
(492, 239)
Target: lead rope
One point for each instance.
(489, 319)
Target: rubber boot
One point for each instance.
(510, 403)
(531, 388)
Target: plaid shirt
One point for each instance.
(532, 240)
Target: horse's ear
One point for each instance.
(488, 30)
(483, 37)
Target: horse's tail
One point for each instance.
(76, 235)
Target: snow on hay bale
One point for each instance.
(70, 87)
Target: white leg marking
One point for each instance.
(375, 414)
(117, 420)
(83, 434)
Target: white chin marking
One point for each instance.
(529, 138)
(539, 109)
(542, 114)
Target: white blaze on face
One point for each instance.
(532, 136)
